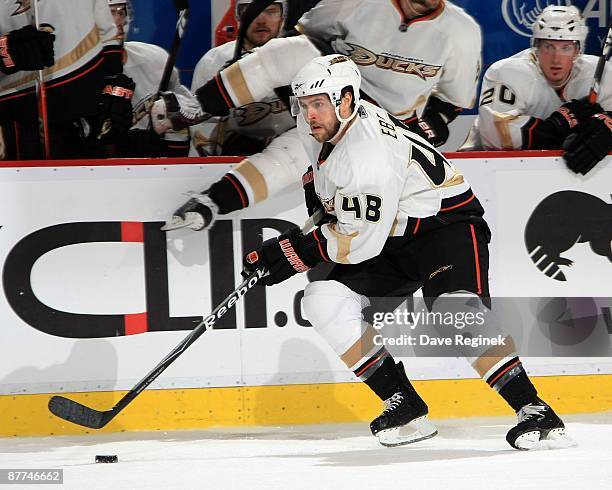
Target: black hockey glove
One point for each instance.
(549, 133)
(115, 109)
(198, 213)
(589, 144)
(27, 49)
(279, 256)
(433, 124)
(570, 114)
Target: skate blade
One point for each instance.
(555, 439)
(416, 430)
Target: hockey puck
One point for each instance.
(106, 458)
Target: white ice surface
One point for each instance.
(468, 454)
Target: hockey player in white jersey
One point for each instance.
(144, 63)
(537, 99)
(79, 48)
(263, 130)
(249, 128)
(396, 211)
(423, 71)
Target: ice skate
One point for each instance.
(404, 419)
(538, 427)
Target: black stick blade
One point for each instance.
(78, 414)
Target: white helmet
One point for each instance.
(328, 75)
(240, 3)
(560, 23)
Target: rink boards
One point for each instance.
(95, 295)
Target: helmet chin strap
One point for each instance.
(343, 121)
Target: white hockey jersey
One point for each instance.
(81, 28)
(144, 63)
(261, 120)
(436, 54)
(377, 177)
(514, 90)
(403, 61)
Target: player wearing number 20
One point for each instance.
(537, 100)
(398, 213)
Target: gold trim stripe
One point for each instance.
(493, 355)
(361, 349)
(235, 79)
(503, 129)
(343, 243)
(394, 226)
(456, 179)
(90, 41)
(254, 177)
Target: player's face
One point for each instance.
(413, 8)
(556, 59)
(119, 13)
(319, 113)
(266, 25)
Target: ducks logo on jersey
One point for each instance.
(254, 112)
(364, 57)
(22, 6)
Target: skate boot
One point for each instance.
(538, 427)
(404, 419)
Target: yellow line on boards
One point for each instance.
(198, 408)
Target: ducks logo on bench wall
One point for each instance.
(559, 222)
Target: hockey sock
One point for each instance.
(509, 379)
(384, 379)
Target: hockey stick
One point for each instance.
(144, 105)
(182, 7)
(606, 51)
(246, 19)
(76, 413)
(41, 96)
